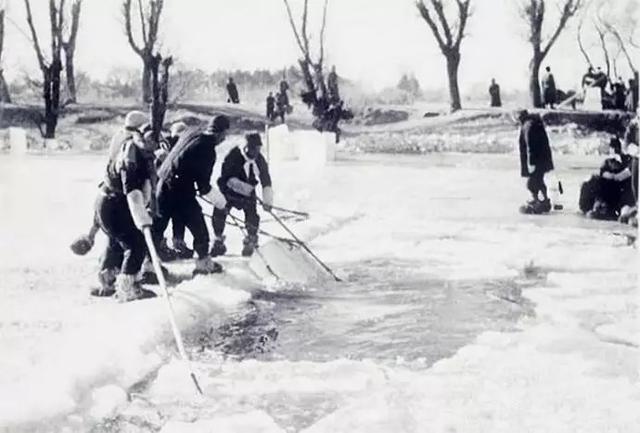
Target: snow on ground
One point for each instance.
(573, 366)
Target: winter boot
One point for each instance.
(181, 249)
(206, 266)
(543, 206)
(148, 273)
(528, 208)
(165, 253)
(107, 279)
(250, 243)
(218, 248)
(128, 290)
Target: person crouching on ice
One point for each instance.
(535, 161)
(121, 210)
(241, 171)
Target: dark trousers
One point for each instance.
(536, 184)
(178, 228)
(178, 203)
(247, 204)
(126, 248)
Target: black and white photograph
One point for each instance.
(319, 216)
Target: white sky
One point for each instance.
(371, 41)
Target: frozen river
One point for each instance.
(457, 313)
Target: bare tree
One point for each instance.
(533, 11)
(312, 69)
(4, 89)
(69, 46)
(449, 36)
(149, 15)
(51, 68)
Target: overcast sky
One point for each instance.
(371, 41)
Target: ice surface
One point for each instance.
(573, 366)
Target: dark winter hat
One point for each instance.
(253, 139)
(219, 123)
(522, 114)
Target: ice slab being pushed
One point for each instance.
(289, 262)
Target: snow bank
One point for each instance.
(250, 422)
(112, 347)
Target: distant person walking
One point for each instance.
(548, 89)
(281, 105)
(284, 89)
(332, 85)
(271, 106)
(494, 92)
(232, 90)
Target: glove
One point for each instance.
(82, 245)
(138, 209)
(240, 187)
(216, 198)
(160, 155)
(267, 198)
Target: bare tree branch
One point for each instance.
(463, 13)
(569, 9)
(426, 15)
(295, 30)
(581, 46)
(610, 28)
(126, 11)
(305, 36)
(439, 8)
(1, 34)
(143, 27)
(322, 29)
(603, 44)
(70, 43)
(34, 36)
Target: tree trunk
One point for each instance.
(71, 77)
(4, 89)
(534, 83)
(146, 79)
(453, 62)
(51, 90)
(160, 93)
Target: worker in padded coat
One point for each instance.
(535, 161)
(241, 172)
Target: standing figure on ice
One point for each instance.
(241, 171)
(494, 92)
(121, 211)
(189, 166)
(535, 161)
(332, 85)
(232, 89)
(548, 88)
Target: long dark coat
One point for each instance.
(534, 146)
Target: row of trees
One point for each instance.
(446, 19)
(64, 24)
